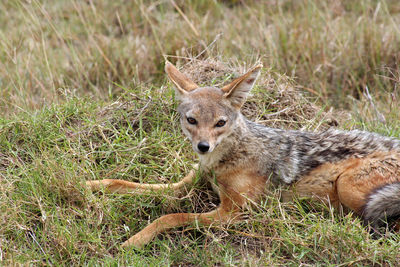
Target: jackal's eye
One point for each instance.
(191, 120)
(220, 123)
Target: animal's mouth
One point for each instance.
(210, 150)
(203, 153)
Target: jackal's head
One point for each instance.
(209, 114)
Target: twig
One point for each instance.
(310, 90)
(32, 235)
(153, 30)
(211, 44)
(276, 113)
(379, 115)
(185, 18)
(201, 53)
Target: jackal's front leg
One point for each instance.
(122, 187)
(228, 211)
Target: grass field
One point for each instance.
(83, 96)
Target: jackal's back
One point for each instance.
(291, 154)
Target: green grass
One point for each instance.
(83, 96)
(49, 217)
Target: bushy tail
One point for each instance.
(382, 205)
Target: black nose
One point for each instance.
(203, 146)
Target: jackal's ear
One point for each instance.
(182, 83)
(238, 89)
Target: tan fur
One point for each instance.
(349, 182)
(367, 174)
(235, 161)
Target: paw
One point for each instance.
(90, 184)
(94, 185)
(136, 241)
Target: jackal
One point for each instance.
(356, 169)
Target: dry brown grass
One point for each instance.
(332, 48)
(276, 102)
